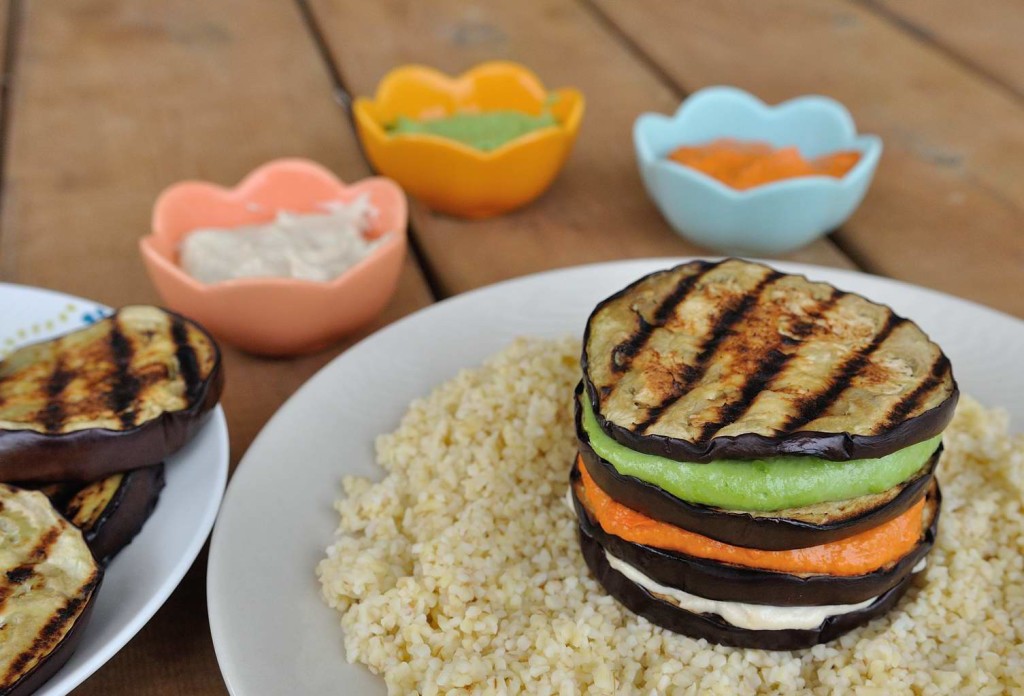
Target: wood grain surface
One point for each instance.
(109, 101)
(597, 209)
(945, 207)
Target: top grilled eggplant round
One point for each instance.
(48, 584)
(123, 393)
(734, 360)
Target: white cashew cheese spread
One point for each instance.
(757, 617)
(305, 246)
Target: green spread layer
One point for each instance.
(762, 485)
(483, 131)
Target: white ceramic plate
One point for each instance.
(139, 580)
(272, 632)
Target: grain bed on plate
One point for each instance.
(460, 571)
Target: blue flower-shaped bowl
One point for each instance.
(771, 219)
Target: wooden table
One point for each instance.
(105, 102)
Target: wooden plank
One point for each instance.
(983, 35)
(597, 209)
(7, 22)
(944, 209)
(8, 25)
(113, 101)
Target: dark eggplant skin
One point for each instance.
(732, 583)
(831, 446)
(90, 454)
(58, 657)
(711, 627)
(734, 527)
(125, 514)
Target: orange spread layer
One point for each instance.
(743, 165)
(855, 555)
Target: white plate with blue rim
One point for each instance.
(272, 631)
(140, 578)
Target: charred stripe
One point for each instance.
(125, 388)
(51, 634)
(38, 554)
(15, 576)
(52, 415)
(772, 365)
(19, 575)
(723, 325)
(624, 352)
(768, 368)
(188, 364)
(41, 551)
(909, 402)
(849, 369)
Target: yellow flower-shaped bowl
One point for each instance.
(454, 178)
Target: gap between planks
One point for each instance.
(343, 95)
(946, 48)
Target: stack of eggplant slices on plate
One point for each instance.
(756, 453)
(86, 421)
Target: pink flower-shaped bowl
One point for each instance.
(276, 316)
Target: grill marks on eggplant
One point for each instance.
(188, 363)
(53, 412)
(48, 581)
(52, 633)
(623, 354)
(125, 386)
(684, 358)
(939, 374)
(732, 316)
(763, 366)
(39, 553)
(117, 374)
(88, 503)
(872, 399)
(850, 368)
(756, 351)
(17, 575)
(773, 362)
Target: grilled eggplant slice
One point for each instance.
(734, 360)
(731, 583)
(776, 531)
(48, 582)
(111, 511)
(711, 627)
(123, 393)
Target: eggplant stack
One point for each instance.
(757, 453)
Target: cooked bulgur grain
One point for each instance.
(460, 571)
